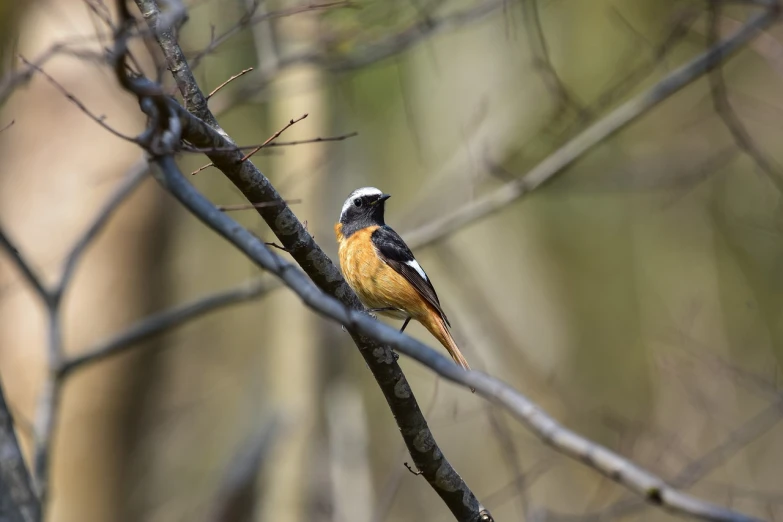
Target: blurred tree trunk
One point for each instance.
(295, 349)
(58, 168)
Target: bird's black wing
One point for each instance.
(395, 253)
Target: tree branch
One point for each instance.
(23, 266)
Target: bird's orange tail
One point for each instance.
(438, 328)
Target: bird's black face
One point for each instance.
(363, 208)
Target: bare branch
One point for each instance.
(411, 470)
(9, 82)
(100, 120)
(438, 229)
(237, 75)
(48, 403)
(312, 140)
(273, 137)
(167, 320)
(26, 270)
(265, 145)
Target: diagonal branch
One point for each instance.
(20, 262)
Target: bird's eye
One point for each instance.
(357, 202)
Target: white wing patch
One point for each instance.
(358, 193)
(417, 267)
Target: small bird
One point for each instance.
(381, 269)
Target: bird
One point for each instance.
(381, 269)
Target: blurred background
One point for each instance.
(637, 296)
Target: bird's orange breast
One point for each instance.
(376, 283)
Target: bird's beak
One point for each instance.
(381, 199)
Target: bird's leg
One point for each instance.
(407, 320)
(405, 324)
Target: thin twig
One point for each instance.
(14, 79)
(413, 472)
(100, 120)
(273, 137)
(10, 124)
(257, 148)
(23, 266)
(341, 137)
(275, 245)
(237, 75)
(312, 140)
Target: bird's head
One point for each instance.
(363, 208)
